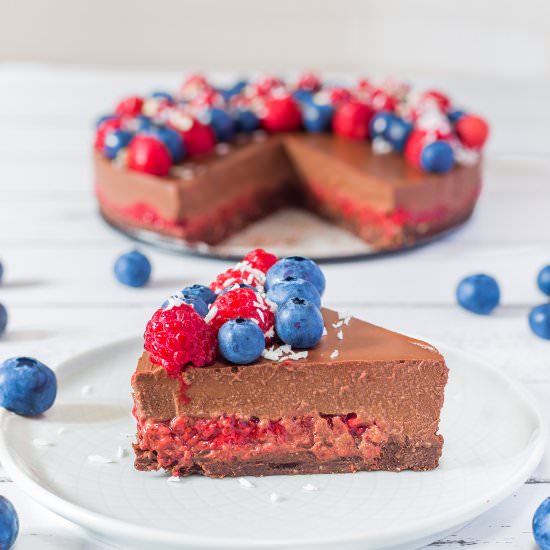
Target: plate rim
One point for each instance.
(121, 529)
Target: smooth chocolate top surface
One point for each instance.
(377, 372)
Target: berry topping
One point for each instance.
(193, 85)
(478, 293)
(435, 98)
(241, 302)
(337, 96)
(351, 120)
(291, 287)
(9, 524)
(133, 269)
(27, 386)
(129, 106)
(309, 82)
(104, 128)
(246, 120)
(317, 117)
(391, 128)
(201, 291)
(148, 154)
(171, 139)
(472, 131)
(543, 280)
(281, 114)
(539, 321)
(299, 267)
(414, 145)
(238, 285)
(241, 341)
(260, 259)
(299, 323)
(437, 157)
(178, 337)
(198, 138)
(382, 101)
(541, 525)
(264, 85)
(165, 96)
(3, 319)
(235, 275)
(115, 140)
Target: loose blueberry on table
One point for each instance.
(133, 269)
(9, 524)
(478, 293)
(3, 319)
(539, 321)
(541, 525)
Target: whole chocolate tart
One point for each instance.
(364, 398)
(392, 172)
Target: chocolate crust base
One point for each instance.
(395, 456)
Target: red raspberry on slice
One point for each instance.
(413, 148)
(178, 337)
(281, 114)
(245, 303)
(193, 85)
(382, 101)
(435, 96)
(130, 106)
(472, 131)
(352, 119)
(260, 259)
(103, 129)
(148, 154)
(264, 85)
(236, 275)
(337, 96)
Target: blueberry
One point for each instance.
(543, 280)
(141, 123)
(198, 304)
(437, 157)
(9, 524)
(541, 525)
(299, 323)
(203, 292)
(303, 96)
(133, 269)
(27, 386)
(241, 341)
(3, 319)
(170, 138)
(239, 285)
(539, 321)
(246, 120)
(299, 267)
(163, 95)
(455, 115)
(291, 287)
(392, 128)
(237, 88)
(478, 293)
(115, 141)
(317, 118)
(1, 272)
(222, 123)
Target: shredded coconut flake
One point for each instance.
(310, 487)
(275, 497)
(211, 314)
(334, 354)
(270, 333)
(121, 452)
(62, 430)
(174, 479)
(340, 335)
(325, 331)
(98, 459)
(243, 482)
(342, 315)
(338, 324)
(347, 320)
(295, 355)
(42, 443)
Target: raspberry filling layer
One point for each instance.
(185, 441)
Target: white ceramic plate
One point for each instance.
(494, 437)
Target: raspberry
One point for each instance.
(193, 85)
(413, 148)
(178, 337)
(472, 131)
(236, 275)
(282, 114)
(309, 82)
(382, 101)
(241, 302)
(148, 154)
(130, 106)
(103, 129)
(337, 96)
(198, 138)
(264, 85)
(434, 96)
(260, 259)
(352, 119)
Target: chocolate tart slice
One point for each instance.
(364, 398)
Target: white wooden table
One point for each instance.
(62, 297)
